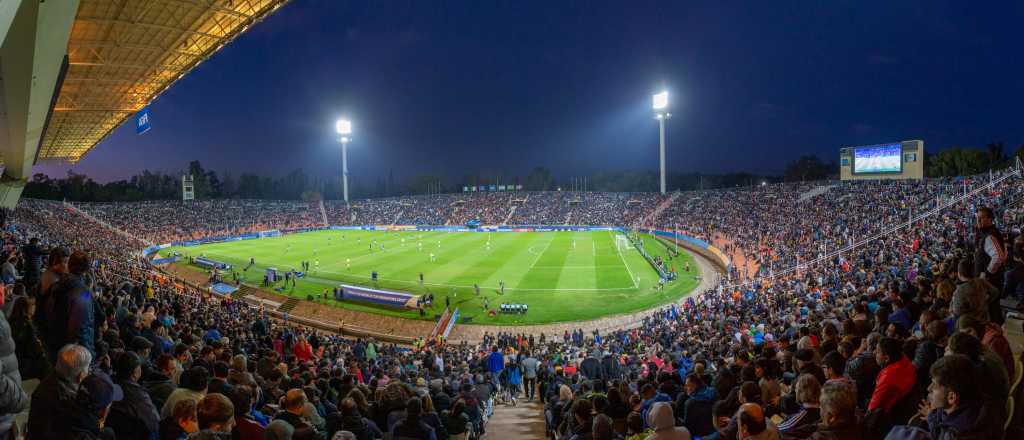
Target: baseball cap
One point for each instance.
(805, 354)
(126, 364)
(140, 343)
(98, 391)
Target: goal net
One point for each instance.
(622, 243)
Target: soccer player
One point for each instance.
(501, 284)
(432, 258)
(317, 264)
(476, 288)
(421, 278)
(348, 263)
(574, 245)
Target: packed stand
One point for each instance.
(171, 220)
(116, 350)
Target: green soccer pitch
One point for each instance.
(562, 276)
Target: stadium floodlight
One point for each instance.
(659, 102)
(344, 128)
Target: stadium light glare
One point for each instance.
(660, 100)
(344, 127)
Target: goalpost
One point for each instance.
(622, 243)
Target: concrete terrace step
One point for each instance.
(524, 421)
(289, 305)
(815, 192)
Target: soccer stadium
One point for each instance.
(407, 270)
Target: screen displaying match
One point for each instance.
(878, 159)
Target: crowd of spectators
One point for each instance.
(170, 220)
(901, 336)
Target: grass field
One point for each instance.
(562, 276)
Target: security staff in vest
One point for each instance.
(989, 257)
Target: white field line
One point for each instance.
(541, 254)
(458, 286)
(624, 263)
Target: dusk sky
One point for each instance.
(462, 87)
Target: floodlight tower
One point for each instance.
(344, 128)
(660, 105)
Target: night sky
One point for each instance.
(458, 88)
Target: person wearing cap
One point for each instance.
(219, 383)
(90, 408)
(143, 348)
(135, 416)
(805, 364)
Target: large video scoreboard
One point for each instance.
(894, 160)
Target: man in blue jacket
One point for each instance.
(71, 308)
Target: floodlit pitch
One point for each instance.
(562, 276)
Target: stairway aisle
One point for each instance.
(524, 421)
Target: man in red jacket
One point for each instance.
(896, 378)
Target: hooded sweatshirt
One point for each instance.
(660, 417)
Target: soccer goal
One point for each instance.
(622, 243)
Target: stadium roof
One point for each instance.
(123, 53)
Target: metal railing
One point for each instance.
(1014, 171)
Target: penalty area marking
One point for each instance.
(632, 278)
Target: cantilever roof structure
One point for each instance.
(123, 53)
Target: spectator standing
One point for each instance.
(33, 255)
(989, 257)
(32, 360)
(70, 308)
(530, 365)
(697, 407)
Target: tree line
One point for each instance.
(297, 185)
